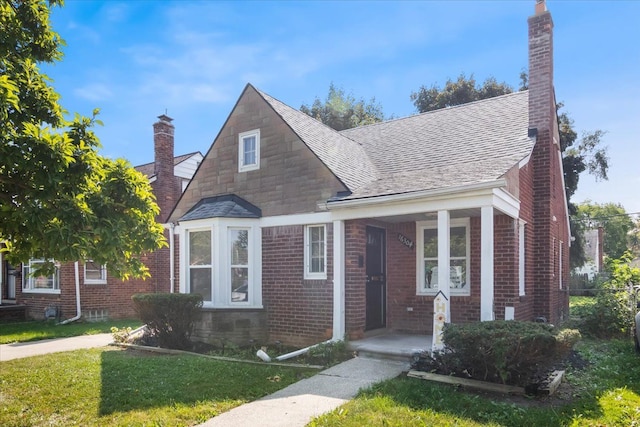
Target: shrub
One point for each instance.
(506, 352)
(170, 318)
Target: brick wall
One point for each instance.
(299, 312)
(241, 327)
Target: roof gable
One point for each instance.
(344, 157)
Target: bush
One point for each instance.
(506, 352)
(170, 318)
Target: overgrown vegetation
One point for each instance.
(605, 392)
(39, 330)
(115, 387)
(610, 313)
(506, 352)
(170, 318)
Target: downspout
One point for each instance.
(78, 311)
(172, 260)
(265, 357)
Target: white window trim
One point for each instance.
(27, 280)
(560, 263)
(242, 167)
(227, 290)
(521, 257)
(101, 281)
(308, 274)
(187, 265)
(420, 279)
(221, 262)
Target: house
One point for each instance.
(294, 232)
(594, 254)
(85, 288)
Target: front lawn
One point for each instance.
(11, 332)
(116, 387)
(604, 393)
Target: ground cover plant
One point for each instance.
(116, 387)
(12, 332)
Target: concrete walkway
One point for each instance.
(298, 403)
(36, 348)
(293, 406)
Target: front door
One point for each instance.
(376, 292)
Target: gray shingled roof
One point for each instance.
(226, 206)
(344, 157)
(466, 144)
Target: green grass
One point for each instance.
(111, 386)
(11, 332)
(605, 393)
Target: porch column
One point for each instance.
(444, 247)
(486, 263)
(338, 281)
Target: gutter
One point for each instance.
(78, 311)
(403, 197)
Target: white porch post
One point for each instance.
(338, 281)
(486, 263)
(444, 274)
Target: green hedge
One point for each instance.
(506, 352)
(169, 317)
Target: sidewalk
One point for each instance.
(36, 348)
(293, 406)
(297, 404)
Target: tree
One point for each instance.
(458, 92)
(340, 111)
(615, 222)
(578, 155)
(59, 199)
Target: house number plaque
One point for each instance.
(405, 240)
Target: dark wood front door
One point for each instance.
(376, 292)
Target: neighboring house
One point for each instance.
(594, 254)
(294, 232)
(100, 295)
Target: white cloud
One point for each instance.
(94, 92)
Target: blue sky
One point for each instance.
(137, 59)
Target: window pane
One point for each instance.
(200, 247)
(431, 243)
(317, 265)
(239, 247)
(458, 241)
(239, 284)
(93, 271)
(200, 282)
(458, 273)
(431, 274)
(249, 146)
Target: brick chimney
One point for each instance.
(541, 97)
(164, 185)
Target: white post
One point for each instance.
(486, 263)
(338, 281)
(444, 273)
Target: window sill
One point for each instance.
(434, 293)
(95, 282)
(41, 291)
(231, 307)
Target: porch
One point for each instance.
(391, 345)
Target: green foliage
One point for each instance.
(458, 92)
(59, 199)
(169, 317)
(327, 354)
(613, 309)
(615, 222)
(120, 335)
(341, 111)
(115, 387)
(506, 352)
(605, 392)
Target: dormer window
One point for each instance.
(249, 151)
